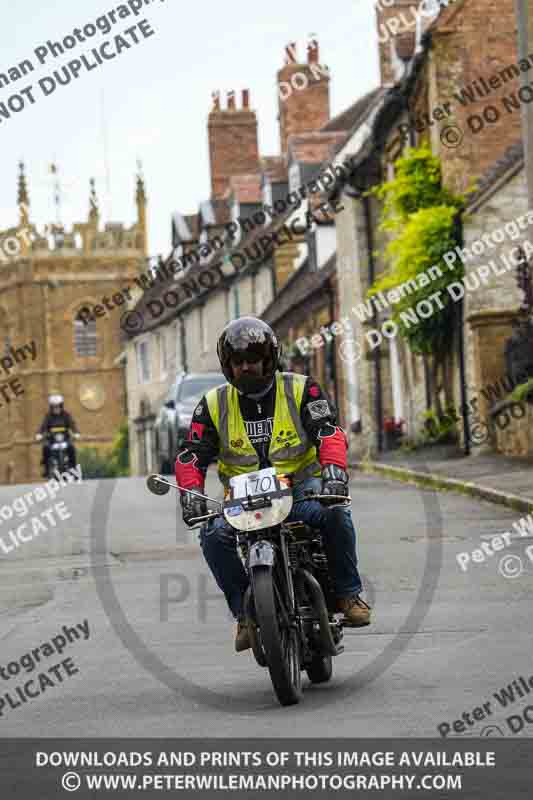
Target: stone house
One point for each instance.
(499, 220)
(52, 277)
(431, 90)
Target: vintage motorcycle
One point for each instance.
(58, 441)
(289, 603)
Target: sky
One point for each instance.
(151, 102)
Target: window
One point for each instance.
(163, 354)
(143, 361)
(84, 336)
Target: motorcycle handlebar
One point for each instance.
(212, 515)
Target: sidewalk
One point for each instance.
(502, 480)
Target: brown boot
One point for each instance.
(242, 639)
(356, 611)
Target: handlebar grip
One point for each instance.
(194, 520)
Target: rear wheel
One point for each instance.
(320, 669)
(280, 642)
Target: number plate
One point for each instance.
(254, 483)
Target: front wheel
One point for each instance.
(280, 642)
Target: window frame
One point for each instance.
(143, 343)
(84, 334)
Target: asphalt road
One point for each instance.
(159, 658)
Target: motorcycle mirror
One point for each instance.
(156, 485)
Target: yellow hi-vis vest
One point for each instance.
(290, 451)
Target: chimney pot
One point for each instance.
(246, 98)
(291, 53)
(231, 100)
(215, 96)
(312, 51)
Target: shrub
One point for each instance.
(111, 464)
(440, 429)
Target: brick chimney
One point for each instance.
(233, 145)
(396, 20)
(303, 91)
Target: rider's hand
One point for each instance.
(192, 507)
(334, 480)
(76, 435)
(39, 437)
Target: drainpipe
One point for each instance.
(462, 360)
(378, 405)
(332, 316)
(183, 345)
(272, 268)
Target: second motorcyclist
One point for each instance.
(57, 420)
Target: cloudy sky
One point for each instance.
(152, 101)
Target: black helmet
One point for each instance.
(249, 336)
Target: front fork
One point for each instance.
(264, 554)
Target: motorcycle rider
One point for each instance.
(57, 420)
(264, 418)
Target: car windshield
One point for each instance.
(193, 390)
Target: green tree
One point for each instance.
(420, 216)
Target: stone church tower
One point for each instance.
(45, 280)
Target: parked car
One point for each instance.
(174, 418)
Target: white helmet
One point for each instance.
(56, 400)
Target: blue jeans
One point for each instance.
(217, 540)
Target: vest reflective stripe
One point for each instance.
(290, 450)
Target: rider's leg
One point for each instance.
(45, 459)
(217, 540)
(71, 455)
(338, 533)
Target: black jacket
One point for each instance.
(63, 420)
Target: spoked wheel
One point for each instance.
(280, 642)
(320, 669)
(253, 630)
